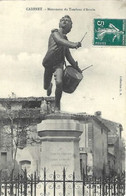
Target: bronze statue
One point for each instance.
(54, 60)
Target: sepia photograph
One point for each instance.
(62, 98)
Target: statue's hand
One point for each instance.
(77, 45)
(77, 67)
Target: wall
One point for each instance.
(31, 151)
(115, 147)
(111, 162)
(83, 163)
(86, 145)
(100, 151)
(118, 155)
(83, 143)
(31, 154)
(28, 152)
(111, 149)
(5, 148)
(86, 138)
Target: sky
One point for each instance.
(24, 37)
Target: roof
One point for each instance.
(108, 125)
(111, 124)
(24, 113)
(25, 99)
(100, 122)
(114, 129)
(84, 116)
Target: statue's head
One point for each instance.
(66, 24)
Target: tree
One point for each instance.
(16, 134)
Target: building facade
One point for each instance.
(94, 147)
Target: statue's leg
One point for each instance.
(58, 92)
(47, 80)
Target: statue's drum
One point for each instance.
(71, 79)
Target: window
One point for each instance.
(81, 167)
(4, 160)
(25, 165)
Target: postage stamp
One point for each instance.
(110, 32)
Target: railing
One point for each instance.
(56, 185)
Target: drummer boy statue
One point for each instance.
(54, 60)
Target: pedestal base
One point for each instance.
(60, 145)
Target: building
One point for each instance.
(100, 142)
(18, 132)
(101, 145)
(94, 146)
(6, 151)
(114, 146)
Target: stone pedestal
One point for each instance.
(60, 145)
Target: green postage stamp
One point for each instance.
(110, 32)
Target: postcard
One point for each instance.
(71, 54)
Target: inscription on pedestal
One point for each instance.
(60, 159)
(57, 156)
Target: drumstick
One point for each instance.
(83, 37)
(86, 68)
